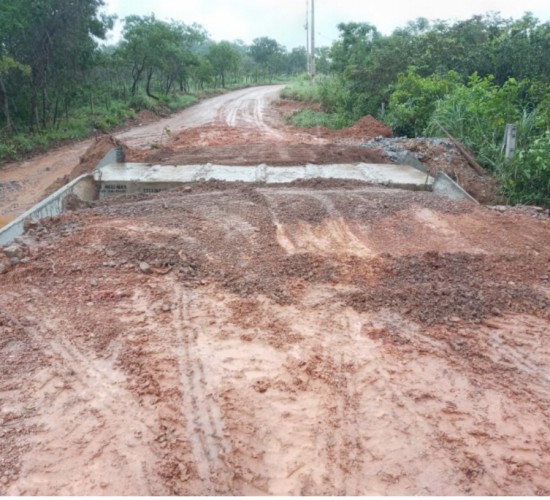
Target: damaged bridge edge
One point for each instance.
(86, 189)
(83, 187)
(443, 185)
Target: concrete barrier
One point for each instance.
(407, 158)
(111, 176)
(83, 188)
(130, 178)
(445, 186)
(115, 155)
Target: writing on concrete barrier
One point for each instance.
(108, 189)
(114, 188)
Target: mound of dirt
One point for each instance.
(367, 127)
(255, 154)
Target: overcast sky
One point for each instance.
(284, 20)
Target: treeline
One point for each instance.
(58, 78)
(473, 77)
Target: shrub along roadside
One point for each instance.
(301, 89)
(475, 113)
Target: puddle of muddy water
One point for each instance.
(6, 219)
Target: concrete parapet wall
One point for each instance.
(129, 178)
(407, 158)
(84, 188)
(445, 186)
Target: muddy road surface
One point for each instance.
(23, 184)
(319, 338)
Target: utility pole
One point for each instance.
(307, 38)
(312, 64)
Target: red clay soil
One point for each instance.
(319, 338)
(247, 141)
(255, 154)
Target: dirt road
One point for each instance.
(23, 184)
(319, 338)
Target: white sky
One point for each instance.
(284, 20)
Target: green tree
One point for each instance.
(7, 67)
(56, 39)
(268, 55)
(224, 58)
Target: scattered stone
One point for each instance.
(12, 251)
(5, 479)
(145, 268)
(14, 261)
(166, 308)
(93, 282)
(457, 343)
(500, 208)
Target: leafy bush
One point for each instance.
(477, 114)
(414, 100)
(302, 90)
(526, 178)
(23, 143)
(8, 152)
(335, 97)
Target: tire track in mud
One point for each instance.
(525, 352)
(248, 112)
(204, 426)
(472, 430)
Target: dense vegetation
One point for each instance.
(473, 77)
(59, 81)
